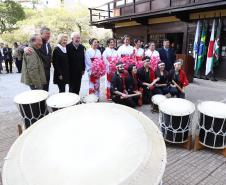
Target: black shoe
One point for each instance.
(214, 79)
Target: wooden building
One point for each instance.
(155, 20)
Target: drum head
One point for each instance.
(32, 96)
(62, 100)
(213, 109)
(88, 144)
(158, 98)
(177, 107)
(91, 98)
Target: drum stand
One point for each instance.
(199, 146)
(20, 130)
(187, 145)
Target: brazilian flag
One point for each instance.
(202, 47)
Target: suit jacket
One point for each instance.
(167, 60)
(44, 55)
(7, 54)
(76, 60)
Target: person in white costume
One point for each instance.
(91, 54)
(138, 51)
(126, 49)
(154, 56)
(110, 56)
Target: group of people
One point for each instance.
(138, 73)
(68, 60)
(8, 55)
(133, 74)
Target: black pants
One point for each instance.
(74, 86)
(61, 86)
(47, 73)
(146, 96)
(9, 65)
(162, 90)
(18, 65)
(175, 92)
(130, 102)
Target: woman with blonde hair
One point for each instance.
(60, 63)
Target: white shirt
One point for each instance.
(125, 50)
(108, 52)
(63, 49)
(1, 50)
(150, 53)
(91, 53)
(139, 52)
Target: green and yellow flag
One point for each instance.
(202, 47)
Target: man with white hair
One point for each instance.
(33, 72)
(76, 59)
(45, 53)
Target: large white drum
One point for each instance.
(104, 144)
(176, 119)
(62, 100)
(212, 124)
(32, 105)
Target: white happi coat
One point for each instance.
(125, 50)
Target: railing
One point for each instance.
(118, 8)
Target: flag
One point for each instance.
(216, 48)
(202, 47)
(209, 60)
(196, 43)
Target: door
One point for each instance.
(176, 41)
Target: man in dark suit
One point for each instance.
(76, 59)
(8, 58)
(167, 55)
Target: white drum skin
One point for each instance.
(32, 96)
(158, 98)
(212, 124)
(113, 145)
(62, 100)
(91, 98)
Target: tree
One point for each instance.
(10, 13)
(59, 20)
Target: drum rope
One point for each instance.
(215, 135)
(169, 126)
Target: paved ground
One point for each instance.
(183, 168)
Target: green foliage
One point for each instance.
(10, 13)
(15, 36)
(59, 20)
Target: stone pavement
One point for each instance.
(184, 167)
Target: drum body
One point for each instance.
(156, 100)
(32, 105)
(212, 124)
(62, 100)
(81, 155)
(175, 119)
